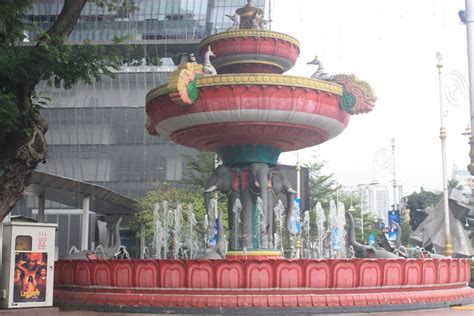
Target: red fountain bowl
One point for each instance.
(283, 112)
(251, 51)
(321, 286)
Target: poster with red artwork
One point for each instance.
(29, 283)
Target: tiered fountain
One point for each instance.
(242, 107)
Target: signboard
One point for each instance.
(30, 276)
(371, 240)
(295, 217)
(393, 217)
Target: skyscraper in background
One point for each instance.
(96, 132)
(374, 199)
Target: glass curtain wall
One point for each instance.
(96, 132)
(144, 19)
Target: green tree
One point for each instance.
(22, 128)
(406, 232)
(199, 168)
(417, 202)
(368, 218)
(322, 187)
(191, 191)
(454, 184)
(173, 195)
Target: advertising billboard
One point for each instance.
(30, 277)
(393, 217)
(295, 217)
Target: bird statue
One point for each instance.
(320, 73)
(207, 67)
(235, 23)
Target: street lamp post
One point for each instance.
(468, 20)
(394, 176)
(363, 205)
(448, 247)
(298, 196)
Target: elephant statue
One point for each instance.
(219, 180)
(233, 183)
(281, 184)
(243, 187)
(259, 174)
(218, 251)
(364, 251)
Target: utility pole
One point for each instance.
(298, 196)
(468, 21)
(448, 247)
(394, 176)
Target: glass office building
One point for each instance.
(144, 20)
(96, 132)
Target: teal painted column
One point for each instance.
(243, 155)
(240, 157)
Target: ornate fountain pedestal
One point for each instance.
(249, 113)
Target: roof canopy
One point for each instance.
(71, 192)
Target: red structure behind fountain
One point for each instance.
(249, 113)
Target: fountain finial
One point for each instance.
(250, 16)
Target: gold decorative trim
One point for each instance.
(269, 79)
(248, 33)
(179, 81)
(253, 253)
(251, 61)
(255, 79)
(155, 92)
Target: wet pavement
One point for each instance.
(467, 310)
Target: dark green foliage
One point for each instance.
(406, 232)
(322, 188)
(199, 169)
(23, 65)
(70, 64)
(173, 195)
(369, 219)
(9, 113)
(420, 201)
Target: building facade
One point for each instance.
(96, 132)
(374, 199)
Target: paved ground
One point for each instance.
(453, 311)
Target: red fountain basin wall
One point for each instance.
(284, 112)
(251, 51)
(261, 283)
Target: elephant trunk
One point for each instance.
(207, 203)
(290, 202)
(358, 247)
(262, 178)
(260, 173)
(221, 242)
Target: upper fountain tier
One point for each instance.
(239, 104)
(249, 47)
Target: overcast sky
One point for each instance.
(392, 45)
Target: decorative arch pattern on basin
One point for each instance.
(267, 283)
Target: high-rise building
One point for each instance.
(374, 199)
(96, 132)
(463, 178)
